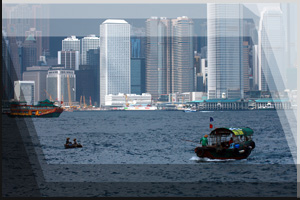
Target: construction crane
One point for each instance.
(80, 101)
(84, 105)
(49, 95)
(69, 91)
(126, 100)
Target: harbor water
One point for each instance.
(154, 137)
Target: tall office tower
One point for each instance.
(137, 75)
(69, 59)
(24, 91)
(58, 85)
(224, 50)
(38, 74)
(29, 54)
(271, 43)
(93, 60)
(87, 43)
(114, 58)
(158, 53)
(37, 35)
(71, 43)
(7, 69)
(255, 68)
(182, 55)
(246, 66)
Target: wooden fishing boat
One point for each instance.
(221, 146)
(44, 108)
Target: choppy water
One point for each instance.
(154, 137)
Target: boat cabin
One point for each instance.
(221, 137)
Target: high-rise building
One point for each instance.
(38, 74)
(68, 59)
(137, 75)
(71, 44)
(271, 41)
(246, 65)
(24, 91)
(37, 35)
(224, 50)
(158, 56)
(59, 83)
(86, 85)
(29, 53)
(183, 75)
(87, 43)
(114, 58)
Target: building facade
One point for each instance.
(24, 91)
(38, 74)
(224, 50)
(68, 59)
(61, 85)
(114, 58)
(137, 75)
(182, 76)
(271, 41)
(158, 56)
(87, 43)
(71, 43)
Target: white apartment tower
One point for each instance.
(114, 58)
(225, 50)
(87, 43)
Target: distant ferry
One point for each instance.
(140, 108)
(42, 109)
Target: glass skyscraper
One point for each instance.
(158, 54)
(182, 55)
(224, 50)
(271, 50)
(114, 58)
(87, 43)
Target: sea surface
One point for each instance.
(155, 137)
(146, 154)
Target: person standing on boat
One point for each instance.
(204, 141)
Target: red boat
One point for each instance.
(220, 147)
(42, 109)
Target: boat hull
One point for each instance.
(223, 154)
(48, 113)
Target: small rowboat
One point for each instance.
(68, 146)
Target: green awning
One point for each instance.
(236, 131)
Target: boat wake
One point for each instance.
(197, 159)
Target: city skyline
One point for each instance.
(171, 54)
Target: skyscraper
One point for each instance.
(29, 53)
(114, 58)
(38, 74)
(224, 50)
(182, 55)
(69, 59)
(158, 54)
(271, 50)
(60, 83)
(71, 43)
(24, 91)
(87, 43)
